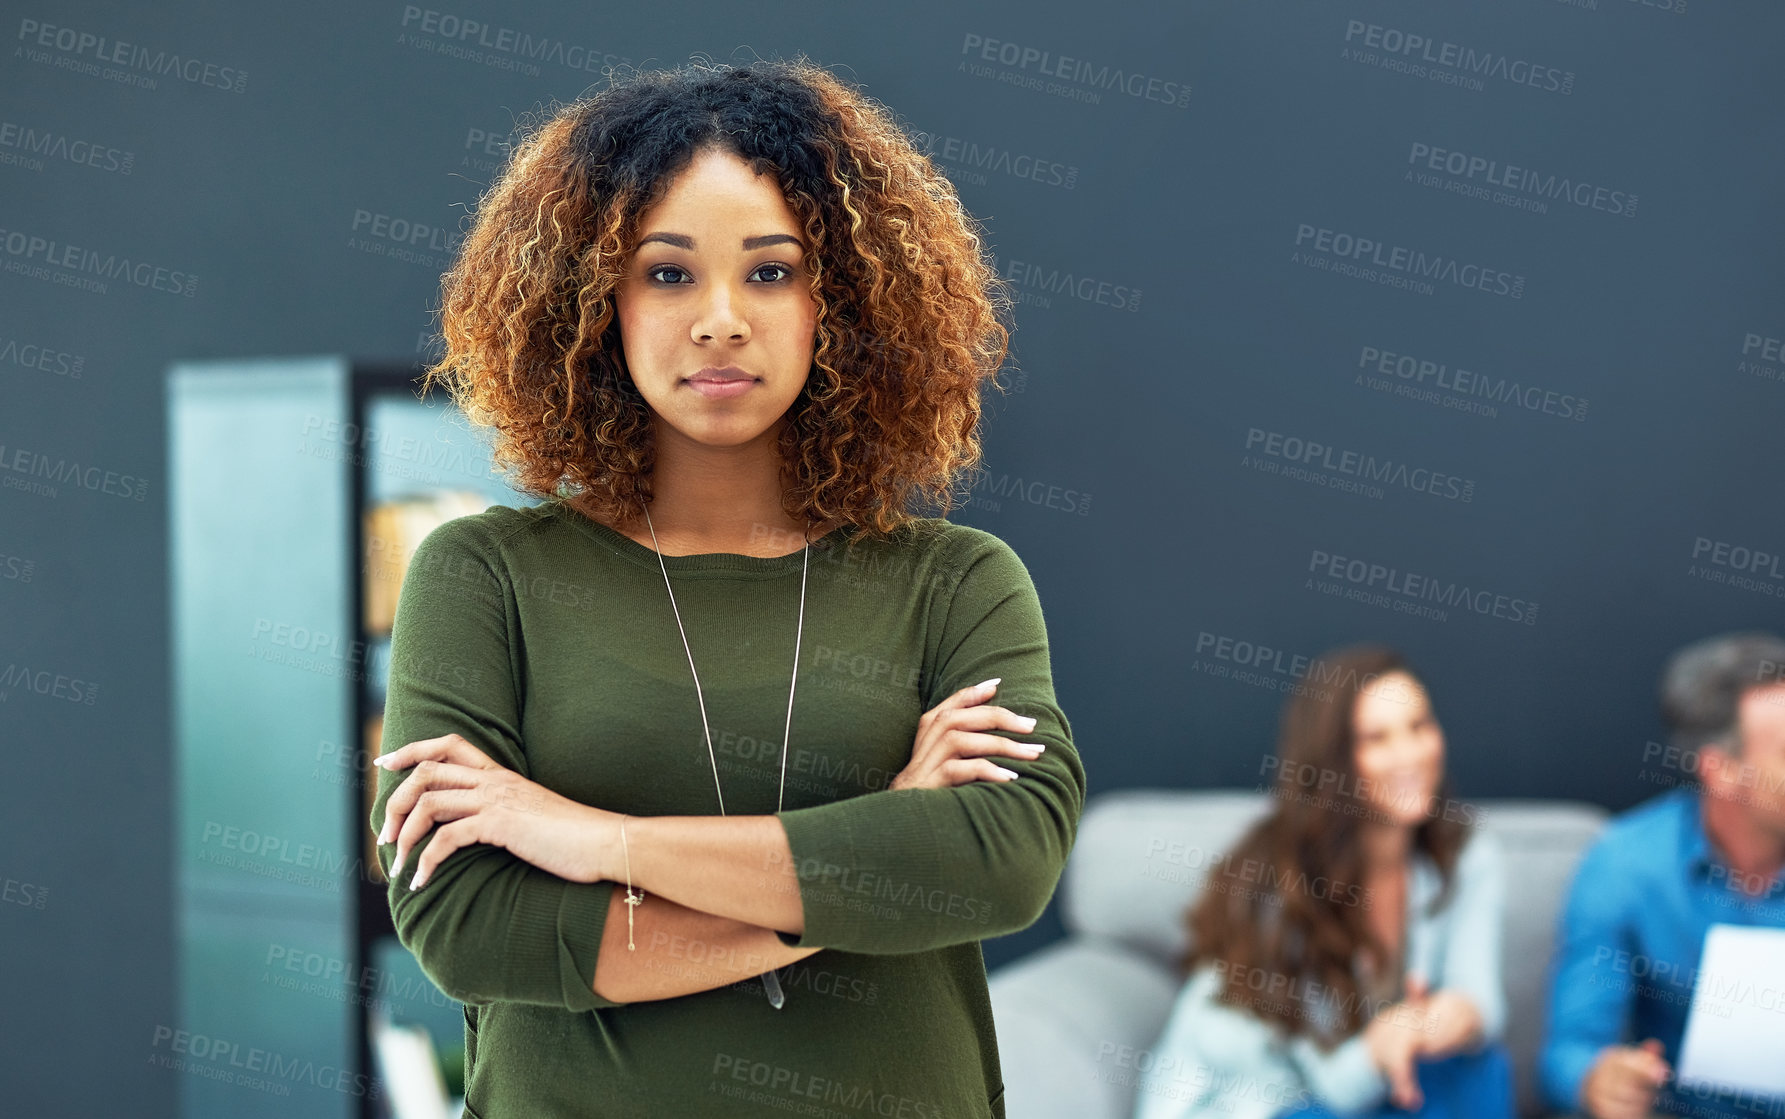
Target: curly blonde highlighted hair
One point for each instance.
(911, 313)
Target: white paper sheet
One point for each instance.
(1735, 1031)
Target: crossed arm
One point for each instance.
(716, 889)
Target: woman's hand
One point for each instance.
(1394, 1037)
(474, 800)
(1426, 1024)
(951, 745)
(1452, 1023)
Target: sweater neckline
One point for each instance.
(644, 556)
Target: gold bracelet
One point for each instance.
(632, 899)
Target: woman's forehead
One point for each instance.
(718, 193)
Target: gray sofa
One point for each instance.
(1072, 1017)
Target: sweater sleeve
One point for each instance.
(1215, 1060)
(909, 870)
(1344, 1079)
(488, 926)
(1478, 915)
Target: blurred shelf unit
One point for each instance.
(299, 489)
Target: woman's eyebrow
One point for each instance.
(682, 241)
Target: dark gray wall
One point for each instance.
(1275, 188)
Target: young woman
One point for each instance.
(696, 791)
(1345, 955)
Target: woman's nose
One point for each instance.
(720, 316)
(1416, 748)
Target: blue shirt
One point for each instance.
(1645, 894)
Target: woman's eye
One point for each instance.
(671, 274)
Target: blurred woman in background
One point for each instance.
(1345, 955)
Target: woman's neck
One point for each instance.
(1385, 848)
(719, 499)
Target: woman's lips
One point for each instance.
(715, 390)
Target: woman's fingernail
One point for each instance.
(379, 761)
(1029, 722)
(988, 683)
(1038, 747)
(384, 836)
(1006, 772)
(414, 882)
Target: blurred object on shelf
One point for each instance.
(410, 1070)
(377, 671)
(393, 529)
(374, 737)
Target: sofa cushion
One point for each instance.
(1139, 859)
(1543, 842)
(1074, 1022)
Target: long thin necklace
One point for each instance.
(769, 982)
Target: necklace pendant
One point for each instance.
(773, 987)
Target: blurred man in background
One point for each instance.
(1706, 853)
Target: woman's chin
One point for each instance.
(1405, 812)
(722, 432)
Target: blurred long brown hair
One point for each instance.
(1285, 930)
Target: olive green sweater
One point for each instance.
(547, 640)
